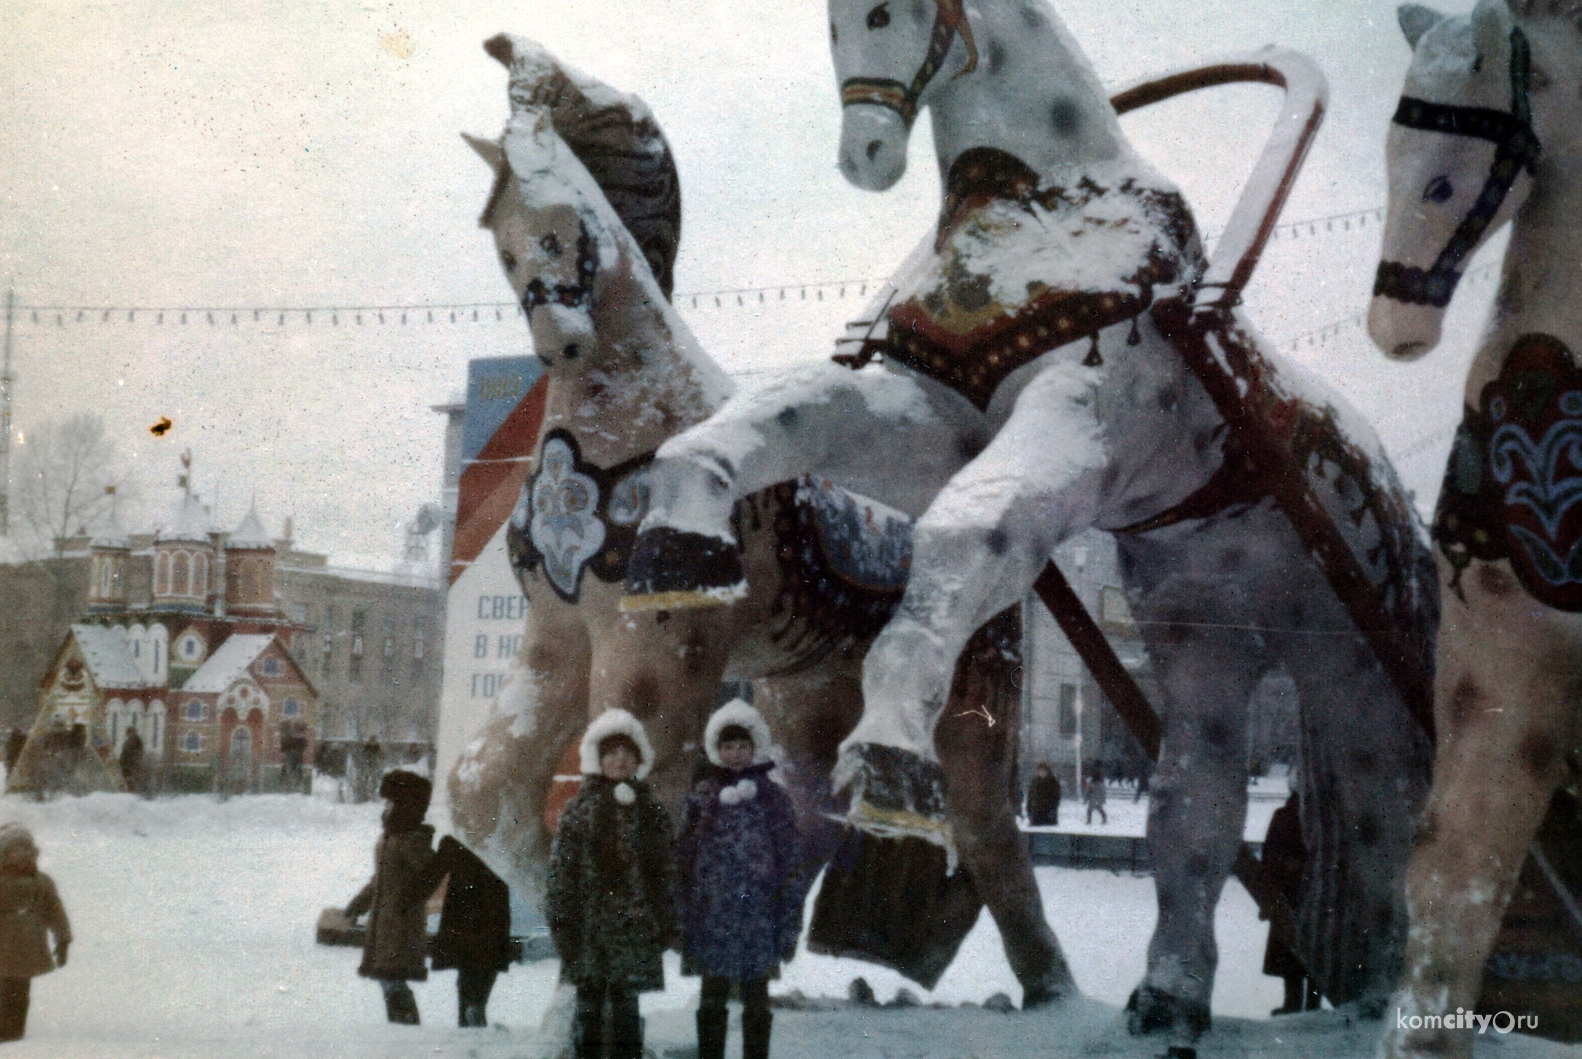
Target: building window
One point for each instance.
(359, 620)
(200, 575)
(178, 574)
(1068, 710)
(162, 578)
(354, 667)
(270, 667)
(193, 744)
(194, 711)
(292, 708)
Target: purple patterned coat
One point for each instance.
(741, 883)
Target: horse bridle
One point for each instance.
(1516, 148)
(577, 295)
(949, 19)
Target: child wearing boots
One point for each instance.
(741, 893)
(608, 895)
(404, 877)
(30, 908)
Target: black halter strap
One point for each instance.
(571, 295)
(1516, 148)
(883, 92)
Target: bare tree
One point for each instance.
(65, 483)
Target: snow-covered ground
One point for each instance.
(194, 923)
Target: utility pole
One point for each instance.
(5, 419)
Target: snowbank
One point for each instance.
(194, 923)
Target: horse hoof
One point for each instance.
(1041, 997)
(1153, 1011)
(676, 570)
(894, 792)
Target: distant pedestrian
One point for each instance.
(608, 896)
(1144, 772)
(1284, 860)
(293, 750)
(132, 762)
(404, 877)
(1043, 797)
(13, 749)
(1096, 795)
(474, 933)
(30, 909)
(741, 893)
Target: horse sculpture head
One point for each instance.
(1465, 143)
(890, 56)
(585, 210)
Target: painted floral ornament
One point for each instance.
(625, 794)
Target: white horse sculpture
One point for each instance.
(585, 215)
(1024, 394)
(1488, 130)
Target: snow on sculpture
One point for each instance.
(1025, 390)
(1487, 132)
(827, 567)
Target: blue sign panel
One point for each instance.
(495, 386)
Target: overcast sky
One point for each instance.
(304, 154)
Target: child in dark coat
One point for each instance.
(30, 911)
(404, 876)
(741, 892)
(611, 874)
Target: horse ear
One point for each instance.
(488, 150)
(499, 47)
(1491, 29)
(1415, 20)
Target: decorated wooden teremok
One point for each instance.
(1056, 356)
(203, 673)
(1486, 132)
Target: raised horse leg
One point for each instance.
(977, 744)
(1505, 712)
(975, 551)
(890, 436)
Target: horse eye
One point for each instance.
(508, 260)
(834, 34)
(1477, 63)
(1439, 190)
(551, 244)
(879, 17)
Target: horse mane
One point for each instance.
(1571, 9)
(616, 139)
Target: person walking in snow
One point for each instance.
(131, 761)
(608, 899)
(30, 909)
(1043, 797)
(404, 877)
(741, 898)
(1096, 795)
(474, 933)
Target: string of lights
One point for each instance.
(397, 313)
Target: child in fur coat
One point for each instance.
(741, 892)
(611, 875)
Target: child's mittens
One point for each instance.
(736, 793)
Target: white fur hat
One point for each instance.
(737, 712)
(14, 838)
(616, 722)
